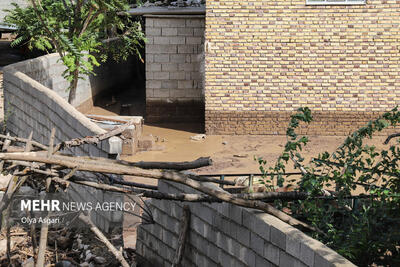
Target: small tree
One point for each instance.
(363, 228)
(80, 31)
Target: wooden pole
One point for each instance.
(182, 236)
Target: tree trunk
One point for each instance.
(74, 83)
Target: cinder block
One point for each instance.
(149, 22)
(278, 238)
(162, 93)
(260, 225)
(186, 49)
(179, 23)
(235, 214)
(185, 31)
(293, 246)
(271, 253)
(193, 40)
(150, 31)
(155, 66)
(197, 225)
(205, 214)
(178, 40)
(199, 32)
(161, 49)
(161, 58)
(186, 66)
(257, 244)
(195, 23)
(152, 84)
(170, 239)
(169, 84)
(161, 40)
(149, 75)
(177, 75)
(212, 252)
(177, 58)
(261, 262)
(162, 75)
(160, 22)
(243, 236)
(307, 255)
(209, 263)
(288, 261)
(170, 67)
(149, 57)
(169, 31)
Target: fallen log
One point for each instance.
(149, 193)
(111, 166)
(178, 166)
(159, 174)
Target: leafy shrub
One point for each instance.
(364, 228)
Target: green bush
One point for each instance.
(363, 228)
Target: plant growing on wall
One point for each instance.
(362, 227)
(81, 32)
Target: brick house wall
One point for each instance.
(266, 58)
(174, 68)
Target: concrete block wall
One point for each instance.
(6, 4)
(174, 67)
(266, 58)
(31, 106)
(48, 70)
(222, 234)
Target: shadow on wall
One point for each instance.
(119, 87)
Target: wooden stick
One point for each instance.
(159, 174)
(23, 140)
(70, 174)
(44, 230)
(148, 193)
(139, 185)
(390, 137)
(92, 164)
(51, 142)
(93, 139)
(6, 144)
(42, 243)
(118, 255)
(182, 236)
(28, 146)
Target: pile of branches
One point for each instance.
(55, 170)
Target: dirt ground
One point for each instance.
(230, 154)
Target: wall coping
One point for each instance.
(167, 11)
(294, 235)
(12, 69)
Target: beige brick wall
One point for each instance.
(268, 56)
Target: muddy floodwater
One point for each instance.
(230, 154)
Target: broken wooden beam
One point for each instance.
(178, 166)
